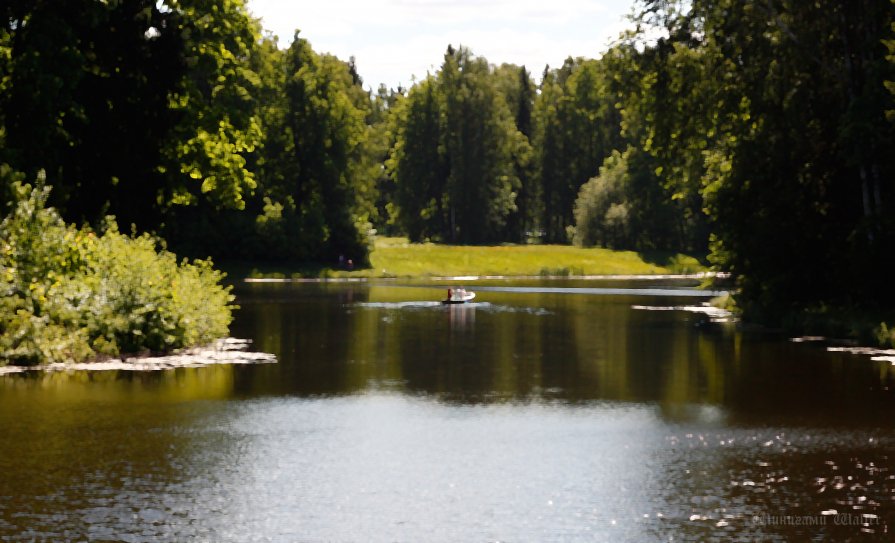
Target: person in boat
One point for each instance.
(458, 295)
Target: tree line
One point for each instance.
(180, 117)
(756, 133)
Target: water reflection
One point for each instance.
(528, 415)
(542, 344)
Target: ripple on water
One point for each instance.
(429, 305)
(388, 467)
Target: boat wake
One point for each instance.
(398, 305)
(428, 305)
(715, 314)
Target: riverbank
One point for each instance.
(857, 325)
(70, 294)
(396, 257)
(835, 326)
(222, 351)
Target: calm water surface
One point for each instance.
(547, 411)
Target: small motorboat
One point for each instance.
(458, 296)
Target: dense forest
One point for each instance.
(758, 133)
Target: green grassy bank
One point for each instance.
(395, 257)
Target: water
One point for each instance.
(543, 412)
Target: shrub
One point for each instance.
(601, 214)
(68, 294)
(885, 335)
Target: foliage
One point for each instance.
(77, 76)
(601, 212)
(326, 129)
(515, 86)
(418, 164)
(667, 103)
(214, 101)
(627, 207)
(80, 75)
(478, 135)
(70, 294)
(773, 115)
(317, 167)
(755, 130)
(577, 125)
(885, 335)
(456, 155)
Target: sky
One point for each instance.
(394, 40)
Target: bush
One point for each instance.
(601, 212)
(68, 294)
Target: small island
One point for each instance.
(72, 295)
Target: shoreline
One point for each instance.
(599, 277)
(222, 351)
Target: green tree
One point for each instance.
(601, 210)
(131, 106)
(515, 85)
(326, 128)
(77, 77)
(381, 139)
(314, 193)
(551, 166)
(578, 126)
(626, 206)
(478, 140)
(418, 164)
(218, 126)
(666, 115)
(797, 163)
(455, 153)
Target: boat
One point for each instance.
(458, 296)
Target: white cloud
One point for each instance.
(394, 39)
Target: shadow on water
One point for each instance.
(533, 343)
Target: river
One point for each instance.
(545, 411)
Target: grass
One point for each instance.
(395, 257)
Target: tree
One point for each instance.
(325, 128)
(453, 157)
(797, 167)
(551, 166)
(314, 194)
(515, 85)
(626, 206)
(381, 139)
(601, 210)
(478, 138)
(578, 126)
(78, 76)
(418, 163)
(217, 127)
(131, 107)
